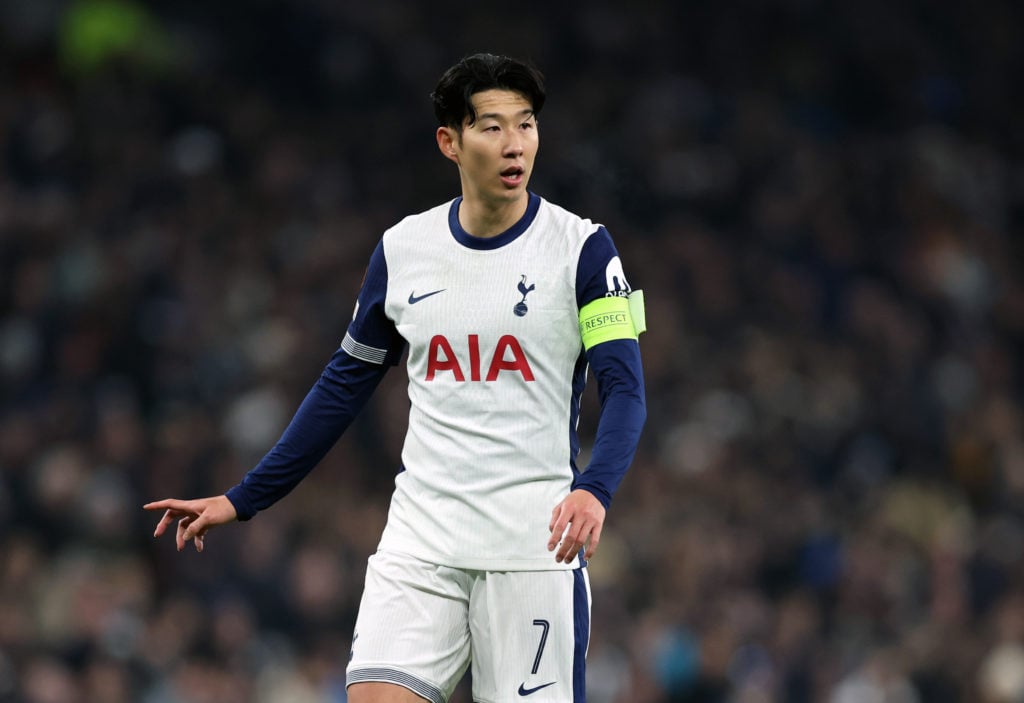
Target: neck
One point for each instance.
(489, 219)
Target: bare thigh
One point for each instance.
(378, 692)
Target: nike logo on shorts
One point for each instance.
(524, 691)
(413, 298)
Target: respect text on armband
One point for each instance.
(603, 320)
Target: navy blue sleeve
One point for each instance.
(371, 335)
(328, 409)
(620, 388)
(599, 271)
(617, 367)
(370, 347)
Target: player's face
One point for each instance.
(495, 153)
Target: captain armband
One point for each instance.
(605, 319)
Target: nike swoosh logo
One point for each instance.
(524, 691)
(413, 298)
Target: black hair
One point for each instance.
(454, 92)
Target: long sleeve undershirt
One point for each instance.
(620, 388)
(342, 390)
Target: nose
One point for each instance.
(513, 145)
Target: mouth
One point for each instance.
(512, 176)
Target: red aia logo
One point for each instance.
(442, 357)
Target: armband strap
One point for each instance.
(638, 312)
(605, 319)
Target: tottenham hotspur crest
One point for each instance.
(520, 308)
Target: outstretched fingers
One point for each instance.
(185, 513)
(194, 518)
(164, 523)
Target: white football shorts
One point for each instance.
(421, 625)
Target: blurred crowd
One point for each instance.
(824, 203)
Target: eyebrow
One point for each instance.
(497, 116)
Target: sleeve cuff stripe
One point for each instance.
(361, 351)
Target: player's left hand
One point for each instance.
(575, 522)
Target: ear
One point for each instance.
(447, 142)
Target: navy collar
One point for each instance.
(511, 234)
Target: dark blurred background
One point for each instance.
(822, 200)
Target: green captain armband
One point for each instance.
(605, 319)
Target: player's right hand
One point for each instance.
(195, 517)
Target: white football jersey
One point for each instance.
(496, 368)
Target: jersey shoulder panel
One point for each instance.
(589, 245)
(574, 230)
(411, 228)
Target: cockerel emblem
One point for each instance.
(520, 308)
